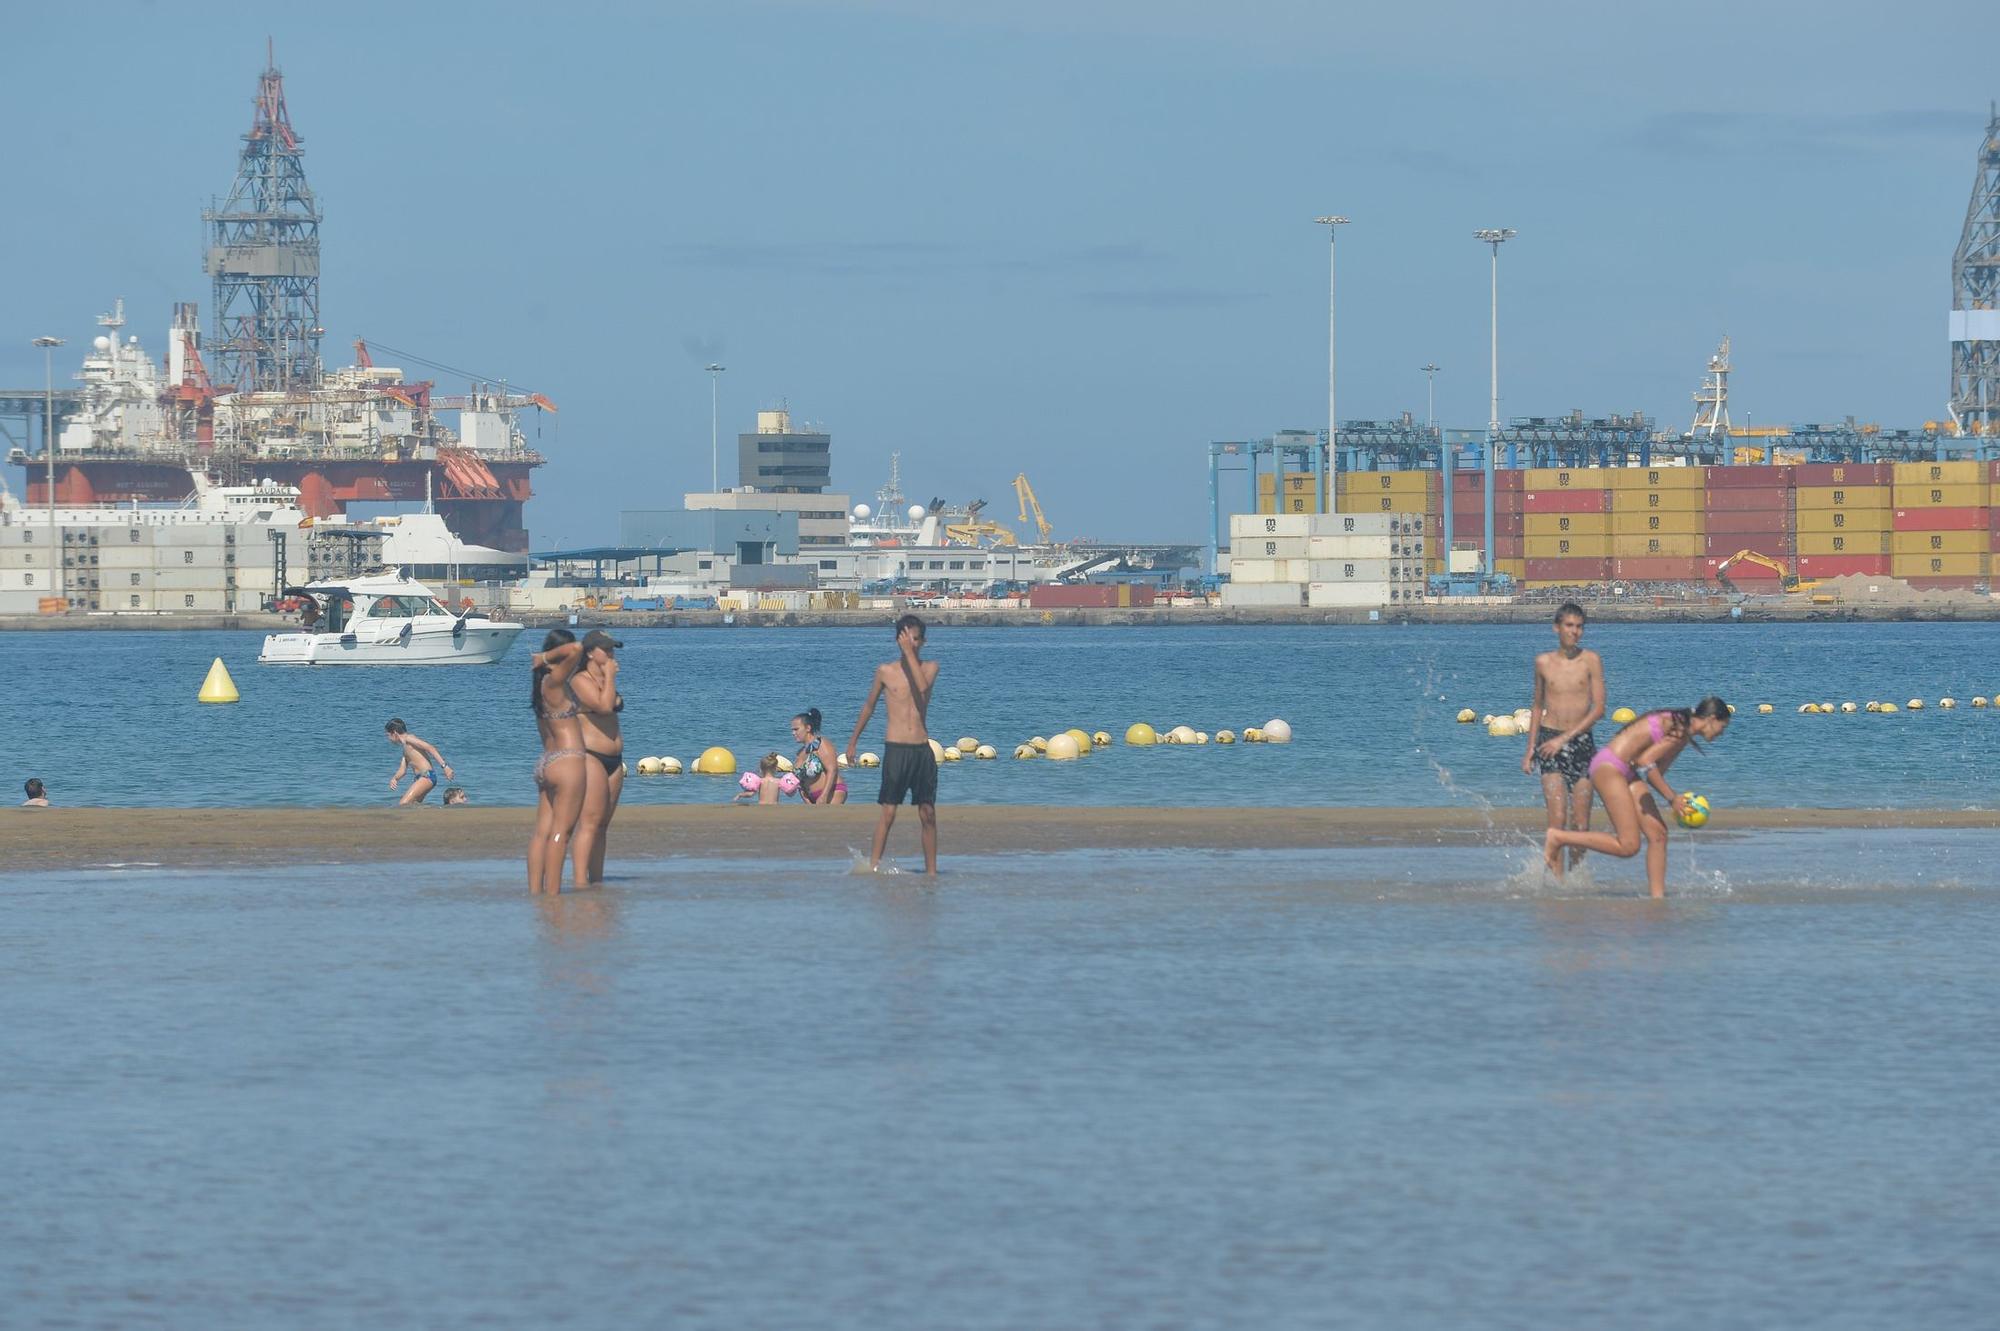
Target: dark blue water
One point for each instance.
(1383, 1089)
(110, 718)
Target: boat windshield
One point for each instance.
(399, 607)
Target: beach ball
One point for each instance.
(751, 782)
(1277, 731)
(966, 744)
(1466, 716)
(1100, 739)
(1502, 727)
(1024, 750)
(1063, 747)
(1695, 814)
(952, 753)
(869, 760)
(670, 767)
(1624, 716)
(1225, 737)
(1765, 709)
(986, 751)
(716, 761)
(1081, 737)
(1140, 735)
(789, 783)
(1041, 745)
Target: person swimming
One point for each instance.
(1626, 772)
(38, 795)
(560, 771)
(421, 761)
(817, 763)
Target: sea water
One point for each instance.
(1382, 1088)
(111, 718)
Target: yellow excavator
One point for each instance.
(1786, 578)
(975, 530)
(1026, 494)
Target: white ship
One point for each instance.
(386, 619)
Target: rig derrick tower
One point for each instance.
(264, 256)
(1975, 299)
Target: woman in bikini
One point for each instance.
(420, 758)
(559, 773)
(818, 765)
(596, 686)
(1627, 771)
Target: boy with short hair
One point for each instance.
(1569, 700)
(909, 768)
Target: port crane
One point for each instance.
(1026, 494)
(975, 530)
(1786, 578)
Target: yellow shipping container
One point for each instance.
(1656, 478)
(1844, 496)
(1938, 542)
(1669, 523)
(1939, 496)
(1295, 482)
(1656, 547)
(1845, 519)
(1515, 568)
(1659, 501)
(1566, 547)
(1842, 543)
(1567, 478)
(1567, 524)
(1939, 473)
(1404, 502)
(1387, 482)
(1290, 504)
(1939, 566)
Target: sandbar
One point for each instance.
(75, 838)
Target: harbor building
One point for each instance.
(778, 459)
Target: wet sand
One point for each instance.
(68, 838)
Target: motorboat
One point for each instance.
(385, 619)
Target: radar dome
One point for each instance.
(916, 512)
(861, 512)
(101, 342)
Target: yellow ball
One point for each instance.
(869, 760)
(1466, 716)
(1063, 748)
(1140, 735)
(1887, 707)
(1082, 738)
(1624, 716)
(1695, 814)
(716, 761)
(1225, 737)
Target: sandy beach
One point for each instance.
(200, 837)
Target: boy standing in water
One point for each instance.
(1569, 700)
(909, 768)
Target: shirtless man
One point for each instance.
(1569, 700)
(908, 765)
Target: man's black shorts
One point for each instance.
(1572, 760)
(908, 770)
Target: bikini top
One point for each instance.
(569, 711)
(811, 768)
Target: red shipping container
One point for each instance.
(1566, 501)
(1775, 544)
(1088, 595)
(1465, 524)
(1943, 519)
(1839, 566)
(1747, 498)
(1844, 473)
(1658, 570)
(1504, 482)
(1567, 570)
(1474, 500)
(1749, 478)
(1762, 520)
(1993, 472)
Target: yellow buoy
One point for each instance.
(1502, 727)
(1808, 708)
(1765, 708)
(966, 744)
(985, 751)
(1139, 735)
(1466, 716)
(1887, 707)
(218, 687)
(716, 761)
(1063, 747)
(1082, 739)
(1624, 716)
(1225, 737)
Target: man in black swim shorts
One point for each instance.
(909, 771)
(1569, 700)
(909, 767)
(1571, 761)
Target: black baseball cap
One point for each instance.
(599, 638)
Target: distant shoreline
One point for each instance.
(1967, 609)
(215, 838)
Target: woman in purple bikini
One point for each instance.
(1626, 772)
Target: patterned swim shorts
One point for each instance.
(1572, 760)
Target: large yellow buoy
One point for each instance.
(1081, 737)
(1140, 735)
(716, 761)
(1467, 716)
(1063, 747)
(1624, 716)
(218, 687)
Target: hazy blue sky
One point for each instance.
(1072, 239)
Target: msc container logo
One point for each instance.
(1347, 524)
(1347, 570)
(1270, 524)
(1652, 501)
(1937, 543)
(1652, 524)
(1937, 473)
(1937, 496)
(1562, 524)
(1653, 547)
(1271, 548)
(1562, 547)
(1562, 479)
(1840, 519)
(1652, 478)
(1937, 566)
(1840, 475)
(1839, 496)
(1840, 543)
(1388, 502)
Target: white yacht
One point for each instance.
(385, 619)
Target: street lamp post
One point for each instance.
(714, 446)
(1431, 396)
(1332, 222)
(1496, 237)
(48, 346)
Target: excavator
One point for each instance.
(1026, 494)
(975, 530)
(1786, 578)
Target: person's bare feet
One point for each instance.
(1552, 856)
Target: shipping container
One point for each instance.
(1845, 519)
(1748, 497)
(1657, 569)
(1658, 524)
(1405, 501)
(1941, 519)
(1939, 566)
(1474, 524)
(1266, 570)
(1566, 501)
(1542, 479)
(1843, 543)
(1567, 571)
(1565, 524)
(1389, 482)
(1289, 504)
(1776, 545)
(1334, 595)
(1506, 480)
(1842, 474)
(1384, 571)
(1848, 496)
(1757, 477)
(1245, 525)
(1270, 547)
(1840, 566)
(1762, 520)
(1655, 478)
(1567, 547)
(1658, 547)
(1964, 582)
(1263, 595)
(1938, 473)
(1631, 500)
(1363, 547)
(1089, 595)
(1939, 542)
(1504, 501)
(1940, 496)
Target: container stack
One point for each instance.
(1845, 515)
(1293, 492)
(1566, 521)
(27, 575)
(1940, 531)
(1325, 559)
(1750, 508)
(1468, 520)
(1658, 524)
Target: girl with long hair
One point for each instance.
(559, 772)
(818, 764)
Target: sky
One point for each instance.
(1073, 240)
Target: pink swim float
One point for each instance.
(789, 783)
(750, 781)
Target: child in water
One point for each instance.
(766, 789)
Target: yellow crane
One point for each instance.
(975, 530)
(1786, 578)
(1026, 494)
